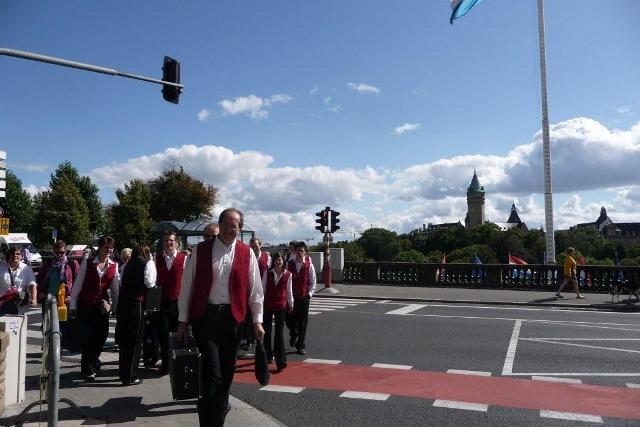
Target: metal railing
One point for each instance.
(597, 278)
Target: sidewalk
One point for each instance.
(592, 301)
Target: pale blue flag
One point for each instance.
(461, 7)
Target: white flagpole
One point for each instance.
(550, 253)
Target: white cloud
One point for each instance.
(314, 90)
(30, 167)
(203, 115)
(406, 127)
(280, 201)
(252, 105)
(33, 189)
(624, 110)
(330, 105)
(364, 88)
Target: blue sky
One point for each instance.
(379, 109)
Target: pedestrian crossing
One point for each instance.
(320, 305)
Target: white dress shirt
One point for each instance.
(222, 257)
(276, 280)
(114, 286)
(168, 259)
(23, 278)
(312, 273)
(150, 273)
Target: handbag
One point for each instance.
(261, 365)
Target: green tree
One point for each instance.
(129, 220)
(62, 208)
(88, 191)
(177, 196)
(18, 205)
(411, 255)
(468, 254)
(352, 251)
(380, 244)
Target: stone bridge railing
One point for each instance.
(597, 278)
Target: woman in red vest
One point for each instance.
(278, 299)
(90, 298)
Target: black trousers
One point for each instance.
(99, 330)
(167, 319)
(129, 333)
(297, 321)
(278, 339)
(217, 336)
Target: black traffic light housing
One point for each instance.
(171, 73)
(322, 220)
(334, 221)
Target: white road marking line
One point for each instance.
(365, 395)
(353, 301)
(465, 372)
(34, 334)
(556, 309)
(632, 385)
(313, 312)
(344, 303)
(313, 304)
(322, 361)
(407, 309)
(461, 405)
(37, 325)
(511, 350)
(388, 366)
(557, 379)
(571, 416)
(282, 388)
(112, 330)
(322, 309)
(581, 339)
(624, 350)
(384, 301)
(575, 374)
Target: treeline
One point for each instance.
(71, 205)
(486, 242)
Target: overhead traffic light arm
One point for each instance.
(88, 67)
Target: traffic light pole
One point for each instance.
(326, 267)
(81, 66)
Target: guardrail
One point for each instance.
(597, 278)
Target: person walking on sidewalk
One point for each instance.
(138, 274)
(170, 265)
(17, 284)
(220, 283)
(570, 276)
(278, 299)
(89, 296)
(304, 285)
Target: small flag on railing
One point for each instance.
(516, 260)
(441, 272)
(584, 275)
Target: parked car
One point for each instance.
(20, 240)
(77, 252)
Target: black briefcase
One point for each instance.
(153, 299)
(184, 369)
(262, 365)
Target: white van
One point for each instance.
(21, 240)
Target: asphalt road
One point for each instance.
(529, 366)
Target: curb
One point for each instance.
(585, 307)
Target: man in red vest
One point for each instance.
(220, 284)
(170, 266)
(304, 285)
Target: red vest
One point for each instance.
(263, 262)
(95, 288)
(203, 281)
(275, 296)
(170, 280)
(300, 281)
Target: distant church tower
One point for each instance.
(475, 203)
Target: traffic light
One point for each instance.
(322, 221)
(334, 221)
(171, 73)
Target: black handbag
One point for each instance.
(261, 365)
(184, 368)
(74, 334)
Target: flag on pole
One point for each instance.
(584, 276)
(461, 7)
(479, 272)
(516, 260)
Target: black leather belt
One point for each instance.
(219, 307)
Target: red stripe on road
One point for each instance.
(620, 402)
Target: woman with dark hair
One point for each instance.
(278, 298)
(17, 282)
(89, 296)
(138, 274)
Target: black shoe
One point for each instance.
(302, 351)
(89, 378)
(281, 367)
(132, 382)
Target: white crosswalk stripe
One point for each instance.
(320, 304)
